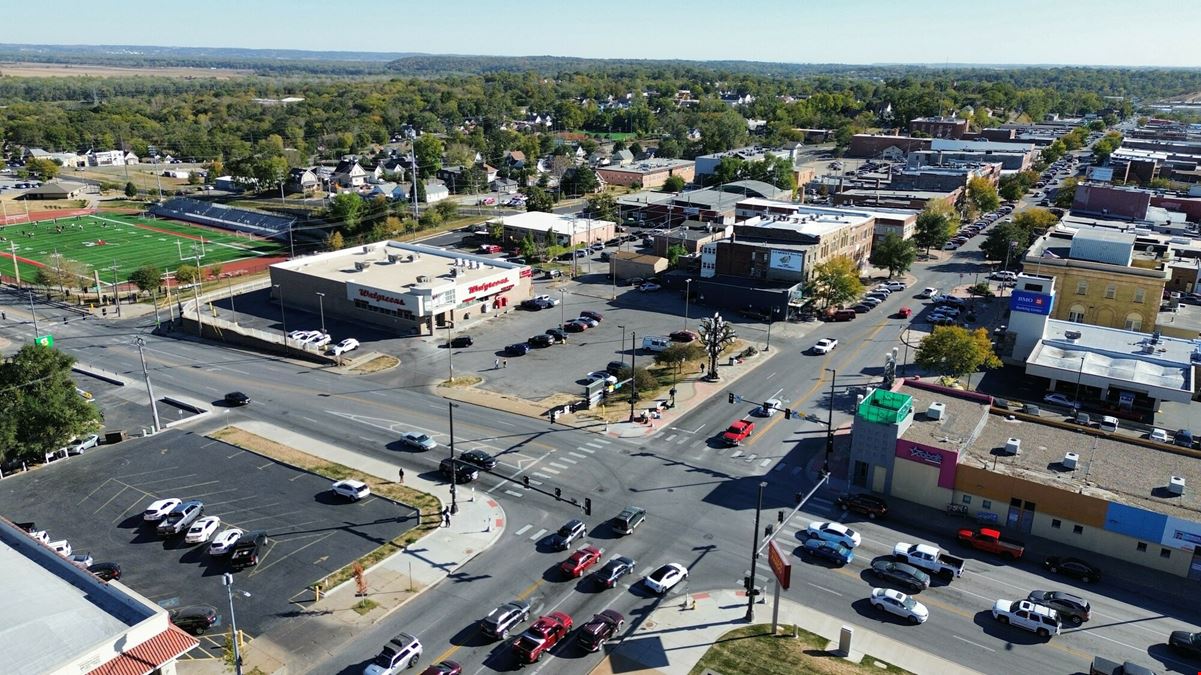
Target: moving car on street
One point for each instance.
(402, 651)
(1071, 608)
(864, 504)
(418, 440)
(928, 558)
(503, 619)
(830, 551)
(581, 561)
(990, 540)
(824, 346)
(1027, 616)
(1072, 567)
(540, 637)
(600, 628)
(571, 530)
(896, 602)
(901, 574)
(835, 532)
(614, 570)
(738, 432)
(665, 577)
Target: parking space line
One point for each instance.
(523, 530)
(537, 535)
(188, 487)
(109, 500)
(260, 567)
(208, 505)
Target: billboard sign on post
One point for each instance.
(781, 566)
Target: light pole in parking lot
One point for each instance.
(321, 308)
(454, 473)
(562, 309)
(149, 389)
(228, 580)
(283, 319)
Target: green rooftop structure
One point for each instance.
(886, 407)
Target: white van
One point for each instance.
(655, 343)
(1109, 424)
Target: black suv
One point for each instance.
(540, 341)
(557, 334)
(461, 341)
(246, 551)
(237, 398)
(867, 505)
(501, 620)
(629, 519)
(479, 458)
(463, 472)
(1073, 608)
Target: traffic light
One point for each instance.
(798, 497)
(746, 582)
(788, 413)
(559, 493)
(779, 516)
(731, 398)
(587, 506)
(525, 480)
(768, 530)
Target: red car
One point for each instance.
(584, 558)
(539, 638)
(738, 432)
(490, 248)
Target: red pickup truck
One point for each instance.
(541, 636)
(738, 432)
(988, 539)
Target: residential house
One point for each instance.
(302, 180)
(622, 157)
(503, 185)
(515, 159)
(349, 173)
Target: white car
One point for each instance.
(665, 577)
(1158, 435)
(160, 508)
(1060, 399)
(354, 490)
(602, 375)
(882, 288)
(870, 301)
(648, 287)
(223, 542)
(836, 532)
(950, 246)
(344, 346)
(896, 602)
(928, 292)
(202, 529)
(825, 346)
(546, 300)
(1003, 275)
(317, 339)
(79, 445)
(61, 547)
(586, 320)
(894, 286)
(769, 407)
(302, 335)
(81, 559)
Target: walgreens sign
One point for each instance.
(378, 298)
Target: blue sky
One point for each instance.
(1096, 32)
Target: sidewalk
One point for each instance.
(331, 621)
(673, 638)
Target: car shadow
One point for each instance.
(401, 446)
(588, 585)
(604, 530)
(355, 668)
(195, 555)
(329, 498)
(501, 659)
(145, 535)
(471, 636)
(555, 574)
(1000, 631)
(133, 522)
(548, 544)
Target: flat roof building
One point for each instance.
(648, 173)
(566, 230)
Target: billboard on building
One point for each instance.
(786, 260)
(1030, 302)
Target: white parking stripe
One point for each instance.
(514, 493)
(525, 528)
(537, 535)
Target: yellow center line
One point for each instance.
(529, 590)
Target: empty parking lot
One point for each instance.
(96, 501)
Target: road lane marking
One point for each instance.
(671, 437)
(765, 462)
(514, 493)
(523, 530)
(537, 535)
(823, 588)
(576, 454)
(550, 470)
(975, 644)
(568, 460)
(540, 475)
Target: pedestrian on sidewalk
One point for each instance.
(496, 364)
(505, 363)
(445, 516)
(402, 477)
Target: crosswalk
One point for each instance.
(545, 469)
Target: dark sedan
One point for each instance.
(901, 574)
(461, 341)
(540, 341)
(868, 505)
(106, 571)
(575, 327)
(557, 334)
(828, 551)
(237, 398)
(519, 349)
(479, 458)
(613, 571)
(1073, 608)
(195, 619)
(1185, 642)
(600, 628)
(1072, 567)
(443, 668)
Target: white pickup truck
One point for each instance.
(928, 558)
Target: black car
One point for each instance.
(519, 349)
(901, 574)
(195, 619)
(600, 628)
(1185, 642)
(463, 472)
(247, 549)
(575, 327)
(1072, 567)
(613, 571)
(237, 398)
(461, 341)
(594, 315)
(861, 308)
(557, 334)
(1073, 608)
(615, 367)
(540, 341)
(867, 505)
(533, 305)
(106, 571)
(479, 458)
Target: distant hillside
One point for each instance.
(265, 61)
(429, 65)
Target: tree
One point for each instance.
(43, 168)
(603, 206)
(146, 277)
(40, 409)
(187, 274)
(335, 241)
(1036, 220)
(935, 225)
(580, 180)
(1006, 240)
(1066, 195)
(674, 253)
(529, 248)
(955, 351)
(678, 354)
(427, 150)
(496, 231)
(673, 184)
(538, 199)
(131, 190)
(644, 380)
(835, 281)
(1097, 125)
(346, 209)
(716, 334)
(983, 194)
(894, 254)
(447, 209)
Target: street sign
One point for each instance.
(781, 566)
(44, 340)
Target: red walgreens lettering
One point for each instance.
(380, 297)
(480, 288)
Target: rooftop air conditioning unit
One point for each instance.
(1070, 459)
(1072, 335)
(936, 410)
(422, 279)
(1176, 485)
(366, 249)
(1013, 446)
(360, 265)
(393, 258)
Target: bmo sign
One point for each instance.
(1031, 303)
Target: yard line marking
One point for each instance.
(514, 493)
(550, 470)
(577, 454)
(523, 530)
(765, 462)
(569, 460)
(537, 535)
(977, 644)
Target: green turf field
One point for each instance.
(102, 241)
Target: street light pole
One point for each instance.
(149, 389)
(228, 580)
(321, 308)
(830, 422)
(450, 350)
(633, 374)
(750, 585)
(229, 282)
(687, 296)
(454, 474)
(36, 333)
(283, 318)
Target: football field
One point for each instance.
(117, 245)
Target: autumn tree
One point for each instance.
(983, 194)
(894, 254)
(835, 282)
(955, 351)
(146, 277)
(935, 225)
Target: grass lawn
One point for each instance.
(753, 649)
(128, 242)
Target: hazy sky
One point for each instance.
(1092, 32)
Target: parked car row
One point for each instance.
(105, 571)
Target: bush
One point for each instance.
(644, 380)
(981, 289)
(680, 353)
(748, 352)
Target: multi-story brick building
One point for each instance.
(938, 127)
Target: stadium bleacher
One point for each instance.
(225, 217)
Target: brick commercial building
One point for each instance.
(873, 146)
(895, 199)
(938, 127)
(412, 289)
(649, 173)
(562, 229)
(1111, 201)
(900, 222)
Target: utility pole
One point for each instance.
(36, 333)
(228, 580)
(750, 582)
(454, 473)
(830, 422)
(321, 307)
(117, 292)
(12, 246)
(283, 318)
(149, 389)
(633, 373)
(687, 296)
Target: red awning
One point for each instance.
(149, 655)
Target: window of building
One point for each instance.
(986, 504)
(967, 499)
(1165, 553)
(1076, 314)
(1142, 547)
(1077, 529)
(1056, 523)
(1082, 287)
(1134, 321)
(1140, 295)
(1111, 291)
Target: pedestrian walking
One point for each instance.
(505, 363)
(445, 516)
(402, 477)
(495, 364)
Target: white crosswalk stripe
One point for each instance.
(670, 437)
(765, 462)
(594, 444)
(588, 450)
(541, 475)
(737, 454)
(602, 441)
(559, 466)
(751, 457)
(573, 453)
(514, 493)
(550, 470)
(525, 528)
(535, 482)
(682, 441)
(568, 460)
(537, 535)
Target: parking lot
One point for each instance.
(96, 500)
